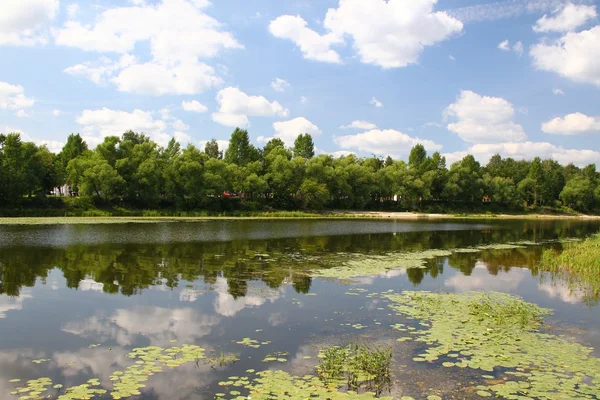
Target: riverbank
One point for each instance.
(284, 215)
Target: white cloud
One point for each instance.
(56, 112)
(88, 284)
(527, 151)
(304, 100)
(226, 305)
(22, 21)
(194, 106)
(97, 124)
(562, 291)
(376, 102)
(288, 131)
(72, 10)
(157, 79)
(575, 56)
(364, 125)
(313, 46)
(518, 48)
(280, 85)
(12, 97)
(175, 47)
(54, 146)
(503, 9)
(156, 324)
(235, 106)
(100, 71)
(13, 303)
(389, 34)
(558, 92)
(451, 57)
(572, 124)
(384, 142)
(480, 279)
(483, 119)
(570, 17)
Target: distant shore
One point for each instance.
(281, 215)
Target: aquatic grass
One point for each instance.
(579, 264)
(495, 332)
(357, 366)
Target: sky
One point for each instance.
(370, 77)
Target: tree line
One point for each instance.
(133, 171)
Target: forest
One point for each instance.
(132, 172)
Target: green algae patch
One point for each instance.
(356, 265)
(127, 383)
(281, 385)
(500, 333)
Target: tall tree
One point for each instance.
(240, 151)
(211, 148)
(304, 146)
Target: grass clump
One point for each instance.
(499, 333)
(357, 366)
(579, 264)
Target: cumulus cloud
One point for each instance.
(384, 142)
(312, 45)
(22, 22)
(98, 124)
(100, 71)
(304, 100)
(558, 92)
(175, 48)
(10, 304)
(236, 106)
(12, 97)
(570, 17)
(288, 131)
(364, 125)
(527, 151)
(572, 124)
(56, 112)
(483, 119)
(280, 85)
(575, 56)
(228, 306)
(480, 279)
(389, 34)
(194, 106)
(72, 10)
(376, 102)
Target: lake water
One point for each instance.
(76, 299)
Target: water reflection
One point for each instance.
(58, 300)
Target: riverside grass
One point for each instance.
(578, 263)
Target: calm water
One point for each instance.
(65, 288)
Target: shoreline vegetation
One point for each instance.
(123, 176)
(159, 216)
(579, 263)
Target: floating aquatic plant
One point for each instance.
(255, 344)
(496, 331)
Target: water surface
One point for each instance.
(82, 296)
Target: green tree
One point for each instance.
(304, 146)
(314, 195)
(240, 151)
(211, 149)
(94, 176)
(578, 194)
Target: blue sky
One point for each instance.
(521, 78)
